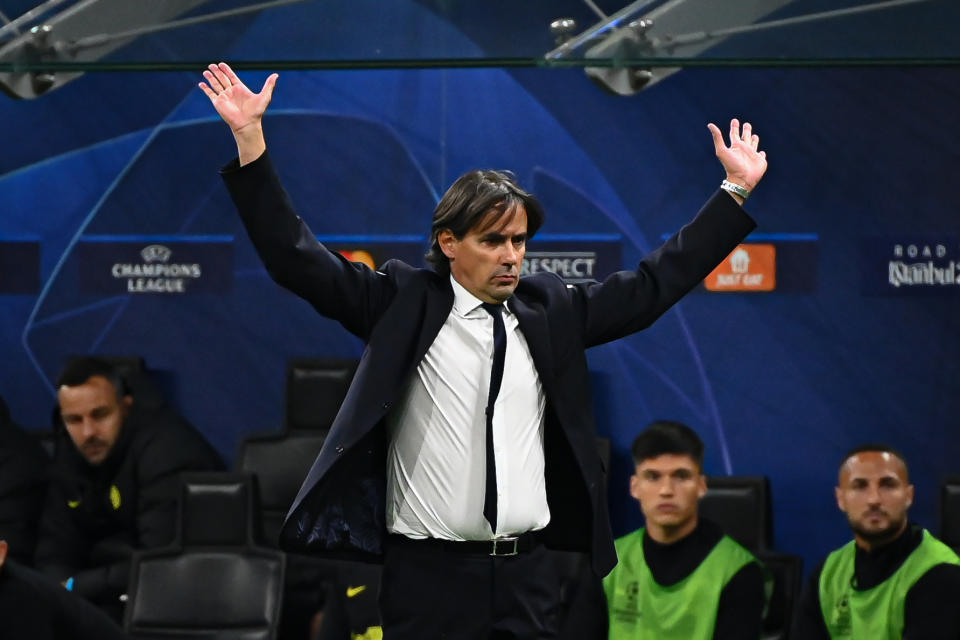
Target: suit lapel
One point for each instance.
(439, 302)
(433, 303)
(533, 323)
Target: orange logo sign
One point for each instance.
(359, 255)
(750, 267)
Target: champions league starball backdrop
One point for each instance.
(837, 323)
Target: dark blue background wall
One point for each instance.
(778, 384)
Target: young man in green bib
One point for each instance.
(894, 580)
(679, 577)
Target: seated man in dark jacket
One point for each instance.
(115, 482)
(23, 482)
(36, 608)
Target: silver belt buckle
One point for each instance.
(509, 545)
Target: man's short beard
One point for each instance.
(879, 537)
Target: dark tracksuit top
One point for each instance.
(95, 517)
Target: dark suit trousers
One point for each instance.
(430, 593)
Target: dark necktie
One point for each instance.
(496, 375)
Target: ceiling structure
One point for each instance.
(625, 48)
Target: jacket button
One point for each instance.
(339, 449)
(386, 405)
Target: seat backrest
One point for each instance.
(316, 388)
(950, 511)
(139, 380)
(125, 365)
(280, 463)
(785, 574)
(217, 508)
(228, 594)
(741, 506)
(213, 582)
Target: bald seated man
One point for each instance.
(894, 580)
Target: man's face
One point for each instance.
(93, 415)
(875, 494)
(669, 488)
(488, 259)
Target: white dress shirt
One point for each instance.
(436, 461)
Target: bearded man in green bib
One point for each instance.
(679, 577)
(894, 580)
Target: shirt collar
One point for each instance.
(465, 303)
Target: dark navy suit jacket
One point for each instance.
(398, 311)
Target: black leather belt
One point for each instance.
(500, 547)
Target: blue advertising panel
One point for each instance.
(910, 264)
(575, 257)
(19, 266)
(769, 262)
(374, 250)
(155, 264)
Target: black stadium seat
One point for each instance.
(280, 462)
(742, 506)
(315, 390)
(950, 512)
(213, 582)
(785, 576)
(139, 380)
(217, 508)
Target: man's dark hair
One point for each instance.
(666, 436)
(877, 447)
(469, 199)
(79, 370)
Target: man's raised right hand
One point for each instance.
(239, 107)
